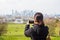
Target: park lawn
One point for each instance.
(16, 32)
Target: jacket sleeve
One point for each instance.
(46, 31)
(27, 27)
(28, 31)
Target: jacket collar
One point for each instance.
(36, 25)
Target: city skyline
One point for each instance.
(44, 6)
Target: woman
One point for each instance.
(39, 31)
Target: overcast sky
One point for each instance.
(44, 6)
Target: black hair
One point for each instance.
(39, 16)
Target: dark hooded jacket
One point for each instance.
(37, 32)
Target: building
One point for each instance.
(18, 21)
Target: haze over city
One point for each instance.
(44, 6)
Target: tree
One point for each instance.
(3, 26)
(52, 25)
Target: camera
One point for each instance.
(31, 21)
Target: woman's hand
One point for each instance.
(27, 23)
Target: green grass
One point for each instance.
(55, 38)
(16, 32)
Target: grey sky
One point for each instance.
(44, 6)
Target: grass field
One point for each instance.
(16, 32)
